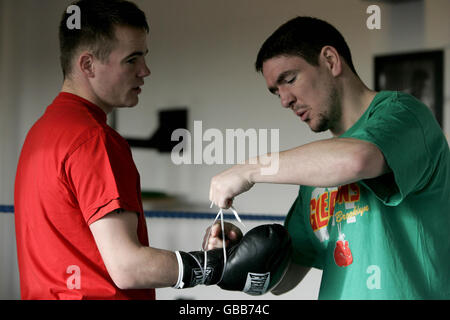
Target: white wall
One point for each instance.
(201, 56)
(8, 151)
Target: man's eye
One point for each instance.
(291, 81)
(131, 61)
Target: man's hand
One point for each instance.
(230, 183)
(232, 236)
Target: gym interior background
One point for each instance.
(201, 57)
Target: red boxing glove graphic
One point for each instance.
(342, 254)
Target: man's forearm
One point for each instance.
(130, 264)
(151, 268)
(324, 163)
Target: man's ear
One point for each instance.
(86, 64)
(331, 59)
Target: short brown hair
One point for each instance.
(97, 31)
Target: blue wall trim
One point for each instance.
(187, 215)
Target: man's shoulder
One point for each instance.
(398, 101)
(67, 125)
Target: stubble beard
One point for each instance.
(328, 119)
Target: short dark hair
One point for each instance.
(97, 31)
(304, 37)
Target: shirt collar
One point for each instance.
(94, 109)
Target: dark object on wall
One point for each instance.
(169, 121)
(418, 73)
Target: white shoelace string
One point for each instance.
(219, 215)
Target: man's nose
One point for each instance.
(145, 72)
(287, 98)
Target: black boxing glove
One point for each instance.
(254, 265)
(258, 263)
(192, 270)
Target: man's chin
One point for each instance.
(318, 128)
(132, 105)
(129, 104)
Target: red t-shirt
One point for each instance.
(73, 170)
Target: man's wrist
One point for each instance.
(252, 171)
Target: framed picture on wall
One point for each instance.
(419, 74)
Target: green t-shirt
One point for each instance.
(397, 225)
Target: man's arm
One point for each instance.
(325, 163)
(131, 265)
(294, 275)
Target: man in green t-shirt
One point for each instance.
(373, 205)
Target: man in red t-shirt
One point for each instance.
(80, 226)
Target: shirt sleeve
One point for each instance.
(399, 135)
(103, 176)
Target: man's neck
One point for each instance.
(70, 87)
(355, 98)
